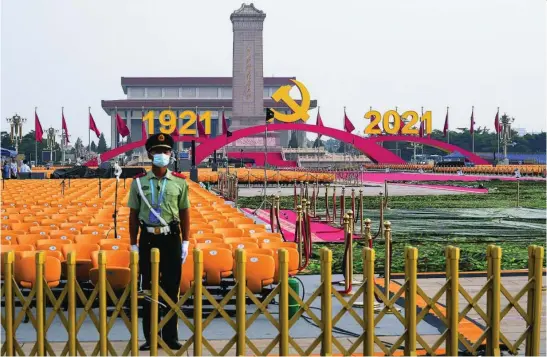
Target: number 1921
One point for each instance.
(168, 122)
(392, 122)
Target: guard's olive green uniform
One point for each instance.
(175, 198)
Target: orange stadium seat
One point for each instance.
(25, 271)
(83, 258)
(217, 264)
(243, 245)
(260, 271)
(229, 232)
(118, 273)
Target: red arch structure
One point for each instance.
(368, 146)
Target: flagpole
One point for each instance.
(473, 126)
(397, 143)
(36, 141)
(224, 147)
(447, 129)
(89, 130)
(63, 136)
(498, 131)
(116, 118)
(344, 143)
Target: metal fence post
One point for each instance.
(368, 301)
(40, 311)
(493, 300)
(154, 295)
(283, 257)
(536, 316)
(198, 302)
(411, 271)
(8, 294)
(326, 302)
(134, 268)
(530, 298)
(361, 213)
(452, 299)
(71, 283)
(241, 348)
(387, 264)
(102, 304)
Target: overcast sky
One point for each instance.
(381, 53)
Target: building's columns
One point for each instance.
(113, 132)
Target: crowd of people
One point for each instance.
(10, 169)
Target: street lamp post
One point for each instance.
(51, 134)
(506, 137)
(64, 143)
(16, 134)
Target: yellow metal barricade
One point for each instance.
(452, 315)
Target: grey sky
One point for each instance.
(380, 53)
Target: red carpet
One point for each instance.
(321, 232)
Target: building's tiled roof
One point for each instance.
(193, 81)
(183, 103)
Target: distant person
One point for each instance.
(517, 173)
(6, 171)
(13, 168)
(25, 168)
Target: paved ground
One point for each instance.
(512, 325)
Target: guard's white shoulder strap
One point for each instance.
(162, 221)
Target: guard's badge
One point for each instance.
(179, 175)
(161, 137)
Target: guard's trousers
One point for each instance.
(169, 279)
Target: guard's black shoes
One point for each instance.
(145, 347)
(174, 345)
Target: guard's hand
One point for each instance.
(184, 252)
(134, 248)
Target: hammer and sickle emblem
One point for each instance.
(299, 111)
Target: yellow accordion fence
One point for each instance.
(492, 338)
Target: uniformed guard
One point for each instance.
(160, 208)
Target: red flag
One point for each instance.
(319, 122)
(348, 126)
(93, 126)
(472, 127)
(497, 123)
(445, 129)
(144, 136)
(121, 127)
(38, 132)
(225, 126)
(201, 129)
(65, 128)
(421, 129)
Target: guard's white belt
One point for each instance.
(158, 230)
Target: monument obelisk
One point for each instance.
(247, 67)
(247, 73)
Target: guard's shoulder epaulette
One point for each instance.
(179, 175)
(142, 174)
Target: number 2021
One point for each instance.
(410, 118)
(168, 122)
